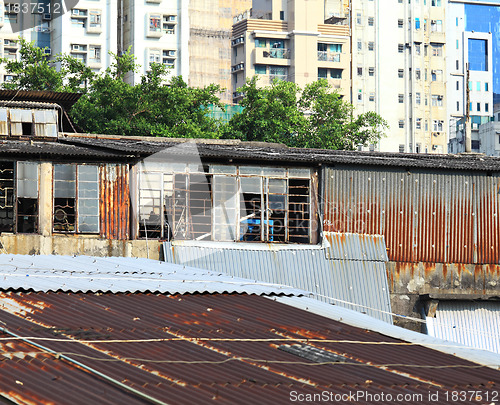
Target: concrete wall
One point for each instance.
(24, 244)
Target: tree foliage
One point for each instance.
(316, 117)
(164, 105)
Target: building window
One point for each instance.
(458, 105)
(401, 98)
(155, 23)
(437, 125)
(322, 73)
(360, 46)
(19, 197)
(478, 86)
(417, 74)
(95, 19)
(401, 48)
(486, 107)
(401, 123)
(437, 75)
(437, 100)
(400, 23)
(417, 23)
(371, 21)
(418, 123)
(400, 73)
(371, 46)
(282, 15)
(401, 148)
(260, 69)
(94, 54)
(358, 18)
(458, 85)
(436, 3)
(154, 56)
(371, 97)
(486, 86)
(436, 26)
(261, 43)
(417, 98)
(371, 71)
(417, 49)
(336, 73)
(478, 106)
(360, 71)
(76, 198)
(226, 203)
(437, 49)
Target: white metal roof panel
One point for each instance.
(472, 323)
(121, 274)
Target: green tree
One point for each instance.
(151, 107)
(316, 117)
(34, 71)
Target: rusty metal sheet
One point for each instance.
(114, 201)
(351, 282)
(241, 378)
(425, 216)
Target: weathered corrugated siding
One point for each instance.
(114, 201)
(361, 282)
(474, 324)
(425, 216)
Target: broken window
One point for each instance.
(27, 197)
(230, 203)
(175, 202)
(19, 215)
(6, 197)
(274, 204)
(76, 198)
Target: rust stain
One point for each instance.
(445, 270)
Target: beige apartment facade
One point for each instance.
(298, 41)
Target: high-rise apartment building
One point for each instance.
(295, 40)
(399, 70)
(87, 32)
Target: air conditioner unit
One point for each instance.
(75, 47)
(171, 53)
(47, 51)
(75, 12)
(433, 21)
(47, 16)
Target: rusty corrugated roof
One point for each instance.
(181, 371)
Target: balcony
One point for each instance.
(325, 56)
(272, 56)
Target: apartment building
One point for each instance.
(296, 40)
(87, 32)
(156, 31)
(399, 71)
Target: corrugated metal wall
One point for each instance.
(424, 216)
(474, 324)
(330, 271)
(114, 201)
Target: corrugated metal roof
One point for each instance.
(364, 321)
(36, 148)
(248, 151)
(357, 280)
(249, 372)
(120, 275)
(64, 99)
(471, 323)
